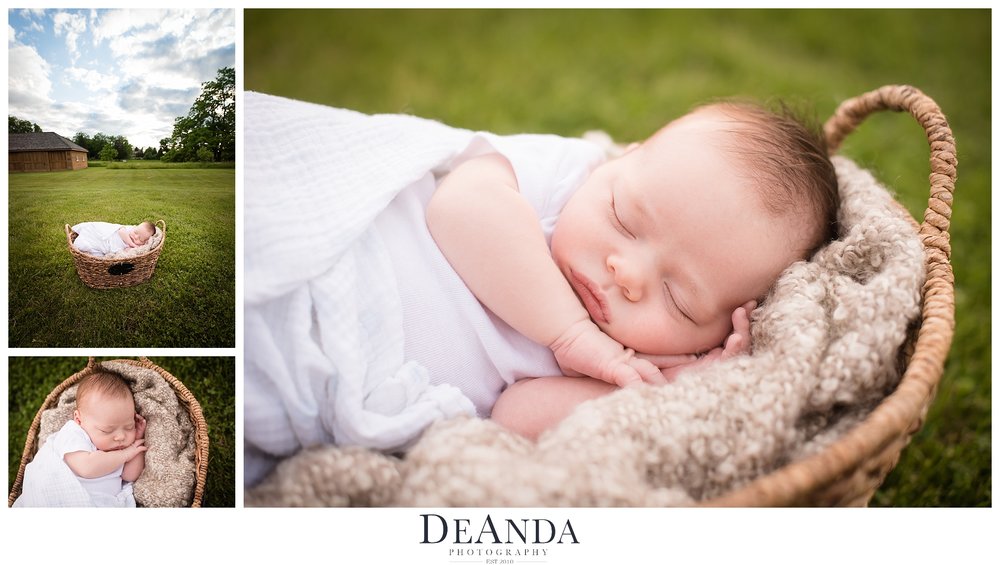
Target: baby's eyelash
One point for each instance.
(613, 213)
(673, 302)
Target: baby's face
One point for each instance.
(665, 242)
(110, 422)
(140, 235)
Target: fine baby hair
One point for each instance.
(789, 159)
(102, 384)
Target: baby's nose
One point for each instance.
(627, 277)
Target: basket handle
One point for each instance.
(68, 235)
(943, 160)
(162, 224)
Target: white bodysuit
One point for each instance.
(446, 329)
(49, 482)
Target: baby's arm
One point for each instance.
(135, 466)
(491, 236)
(94, 464)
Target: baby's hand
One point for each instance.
(737, 343)
(585, 350)
(136, 448)
(140, 426)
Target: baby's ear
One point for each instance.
(76, 416)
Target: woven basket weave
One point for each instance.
(848, 472)
(100, 273)
(187, 399)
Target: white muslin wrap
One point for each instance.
(98, 238)
(323, 332)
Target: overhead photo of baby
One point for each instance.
(96, 456)
(505, 258)
(103, 238)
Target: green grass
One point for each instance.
(188, 302)
(627, 72)
(212, 380)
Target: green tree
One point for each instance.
(210, 123)
(109, 153)
(84, 140)
(17, 125)
(122, 146)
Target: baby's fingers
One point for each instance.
(667, 361)
(735, 345)
(741, 318)
(649, 372)
(624, 375)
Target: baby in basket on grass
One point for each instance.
(538, 257)
(103, 238)
(96, 456)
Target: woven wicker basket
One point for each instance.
(100, 273)
(849, 471)
(183, 394)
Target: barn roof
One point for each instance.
(44, 141)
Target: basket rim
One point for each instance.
(188, 400)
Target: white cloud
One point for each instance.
(11, 34)
(93, 80)
(28, 78)
(117, 23)
(159, 59)
(179, 50)
(72, 25)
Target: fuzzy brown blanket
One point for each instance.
(170, 474)
(826, 344)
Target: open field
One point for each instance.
(188, 302)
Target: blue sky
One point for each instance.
(120, 72)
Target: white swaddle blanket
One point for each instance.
(50, 483)
(98, 238)
(323, 329)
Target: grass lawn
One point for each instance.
(212, 380)
(188, 302)
(628, 72)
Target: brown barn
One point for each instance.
(46, 151)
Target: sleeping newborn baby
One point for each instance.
(495, 260)
(103, 238)
(96, 456)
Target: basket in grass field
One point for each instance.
(848, 472)
(103, 273)
(853, 347)
(176, 433)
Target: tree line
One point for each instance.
(207, 133)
